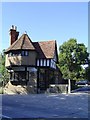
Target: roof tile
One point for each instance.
(23, 43)
(45, 49)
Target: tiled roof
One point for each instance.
(23, 43)
(45, 49)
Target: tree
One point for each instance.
(88, 72)
(72, 56)
(4, 76)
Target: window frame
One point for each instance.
(18, 53)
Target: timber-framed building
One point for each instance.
(32, 62)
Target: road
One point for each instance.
(45, 106)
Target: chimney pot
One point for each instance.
(13, 34)
(16, 28)
(12, 27)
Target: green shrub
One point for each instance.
(1, 90)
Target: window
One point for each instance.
(47, 62)
(10, 54)
(18, 53)
(14, 53)
(37, 62)
(21, 75)
(26, 53)
(22, 53)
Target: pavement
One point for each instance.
(73, 105)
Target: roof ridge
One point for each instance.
(30, 40)
(45, 41)
(22, 41)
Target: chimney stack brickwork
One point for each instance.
(13, 34)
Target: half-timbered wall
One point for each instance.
(46, 63)
(43, 62)
(53, 64)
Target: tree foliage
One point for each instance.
(88, 72)
(4, 76)
(72, 56)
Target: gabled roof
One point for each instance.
(46, 49)
(23, 43)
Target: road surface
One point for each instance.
(45, 106)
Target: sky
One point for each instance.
(43, 21)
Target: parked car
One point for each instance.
(83, 82)
(85, 89)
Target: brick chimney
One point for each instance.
(13, 34)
